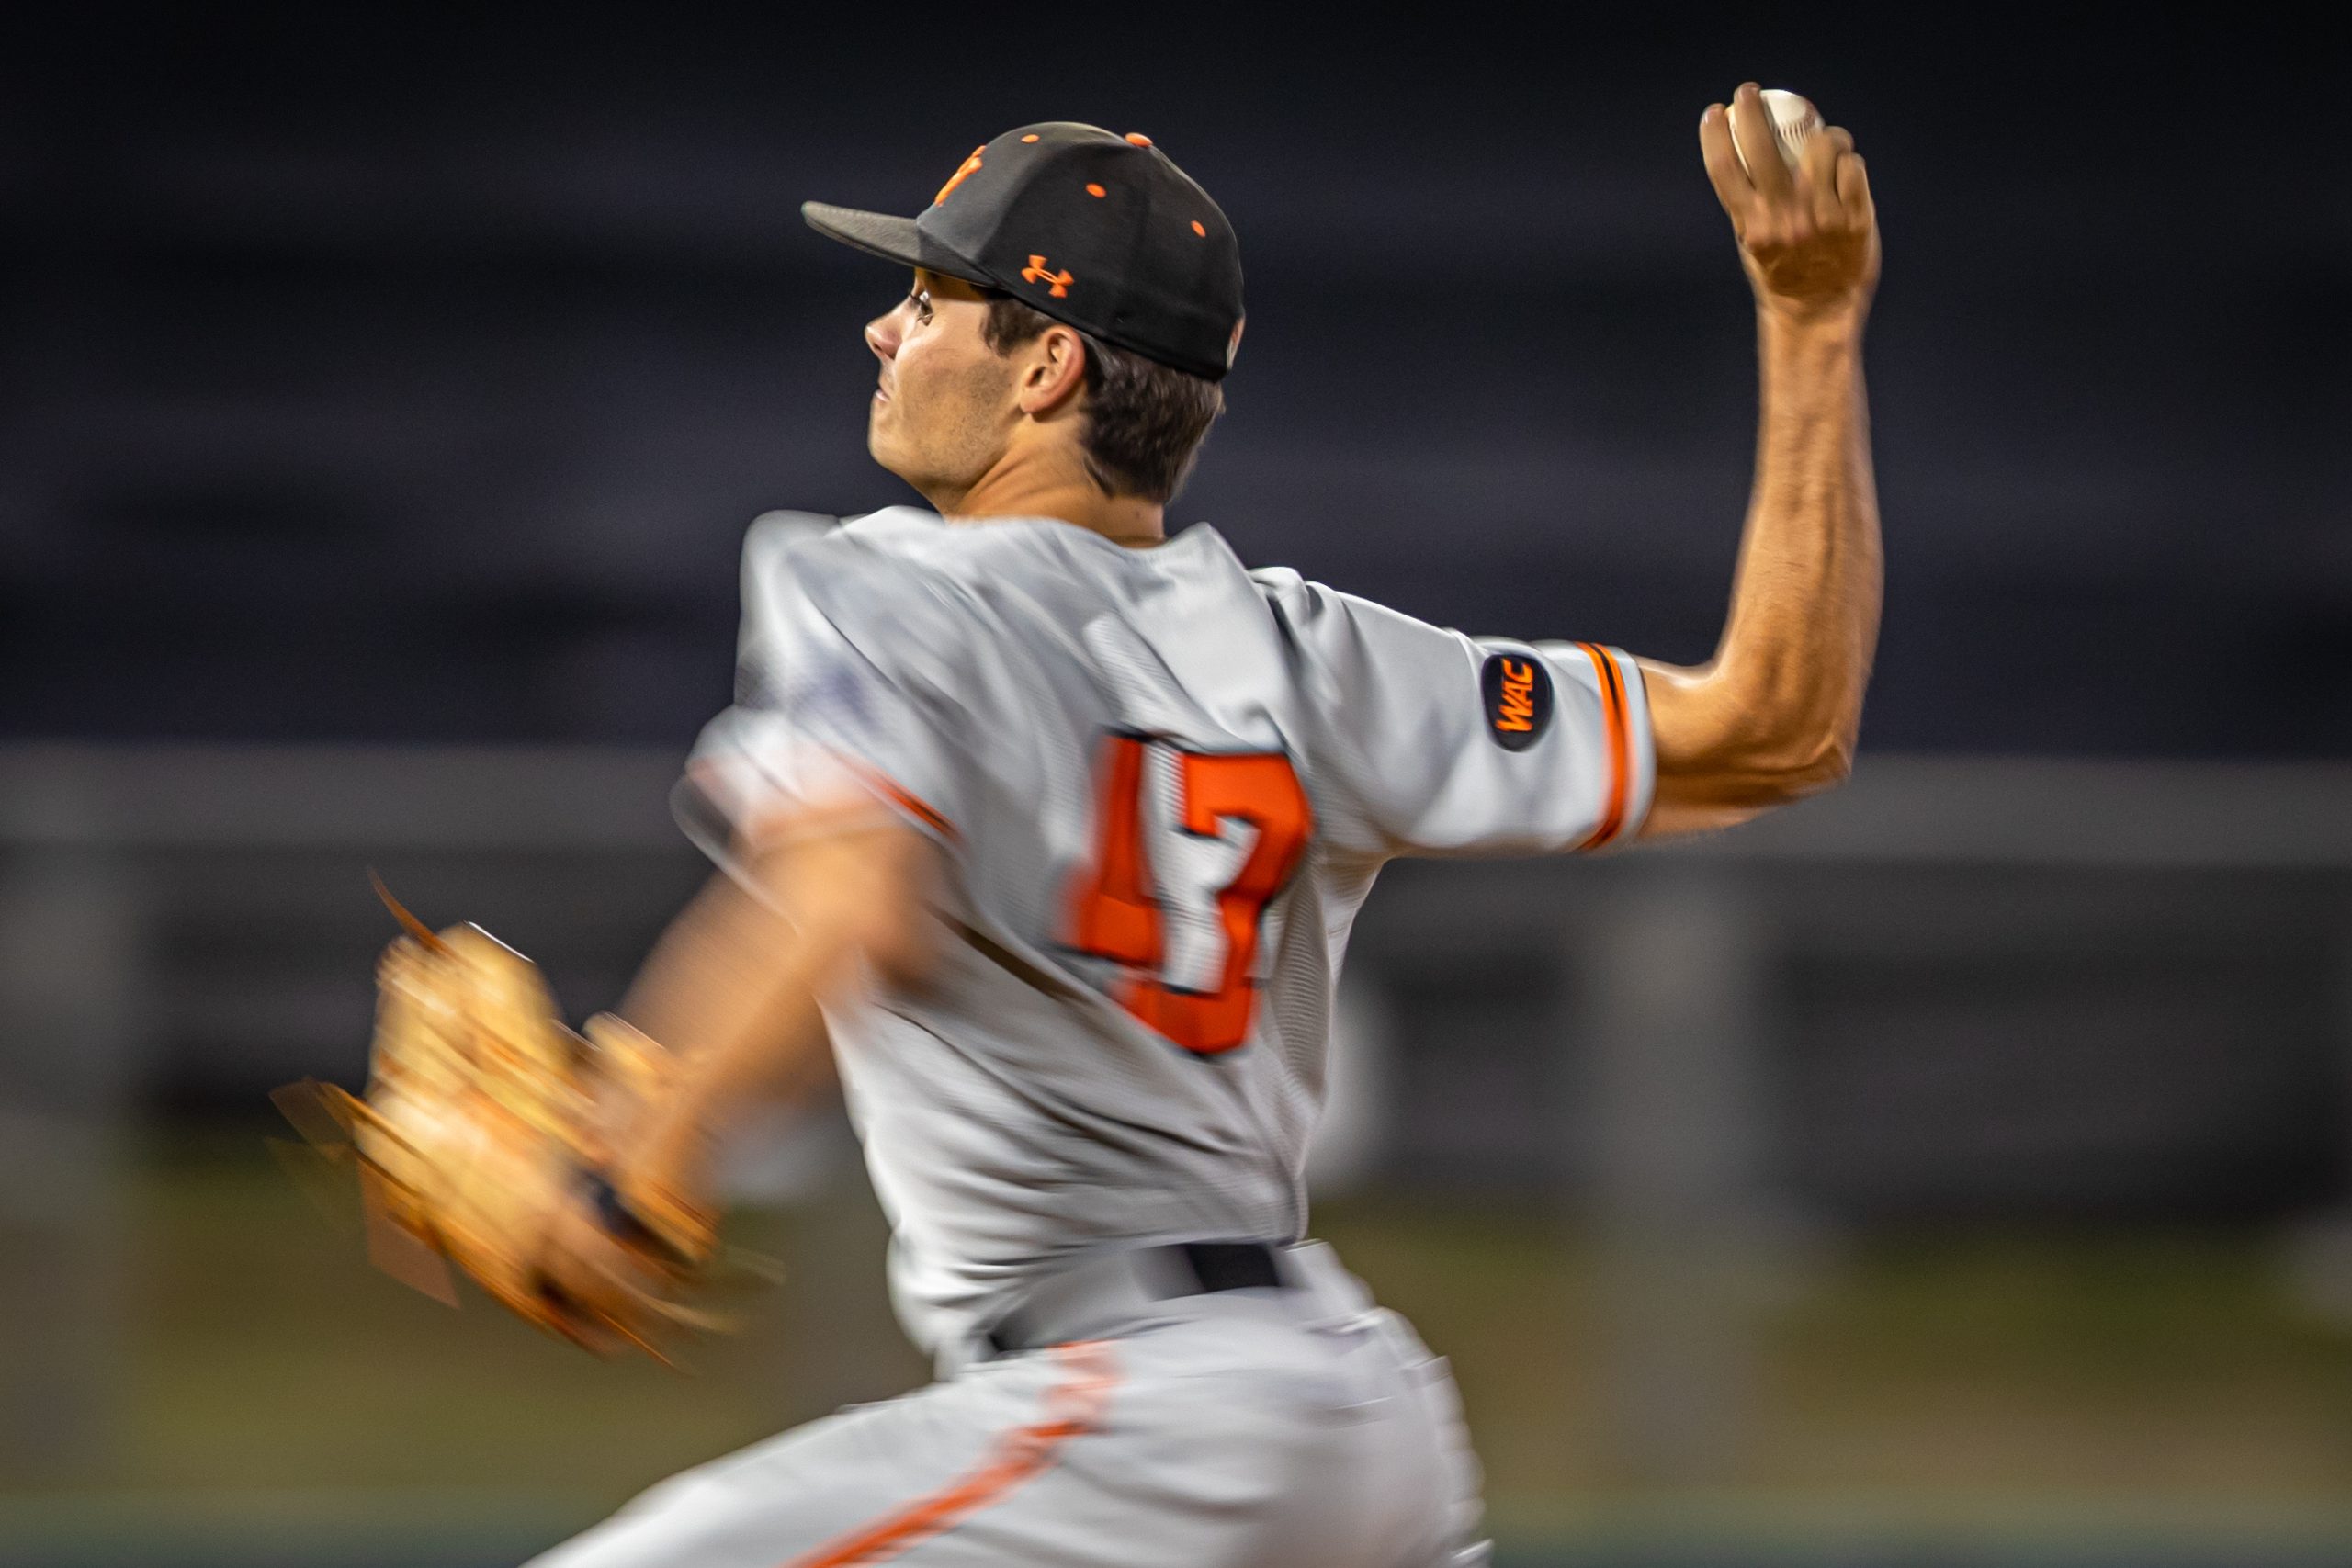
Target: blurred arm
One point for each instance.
(1773, 716)
(735, 984)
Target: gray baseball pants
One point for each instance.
(1298, 1428)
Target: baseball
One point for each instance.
(1794, 122)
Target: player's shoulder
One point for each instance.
(806, 546)
(1313, 612)
(806, 575)
(912, 549)
(904, 564)
(1283, 585)
(901, 551)
(1013, 566)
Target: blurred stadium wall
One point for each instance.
(1756, 1174)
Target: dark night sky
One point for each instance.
(415, 379)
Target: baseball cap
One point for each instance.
(1101, 231)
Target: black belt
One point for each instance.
(1177, 1270)
(1228, 1265)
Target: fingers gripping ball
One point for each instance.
(1799, 201)
(1794, 122)
(483, 1126)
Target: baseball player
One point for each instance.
(1056, 826)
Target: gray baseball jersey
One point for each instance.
(1165, 785)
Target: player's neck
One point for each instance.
(1025, 485)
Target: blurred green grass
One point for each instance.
(265, 1353)
(1956, 1376)
(2039, 1363)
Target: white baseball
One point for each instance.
(1794, 123)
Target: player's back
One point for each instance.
(1163, 786)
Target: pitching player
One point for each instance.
(1057, 826)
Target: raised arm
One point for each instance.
(1772, 716)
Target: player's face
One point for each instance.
(943, 405)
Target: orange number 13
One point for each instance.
(1114, 909)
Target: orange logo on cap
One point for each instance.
(969, 167)
(1035, 273)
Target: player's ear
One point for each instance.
(1053, 371)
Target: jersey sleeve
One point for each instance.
(1435, 743)
(845, 693)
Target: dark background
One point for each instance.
(1956, 1169)
(411, 375)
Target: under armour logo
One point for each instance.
(1035, 273)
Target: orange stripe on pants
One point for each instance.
(1073, 1407)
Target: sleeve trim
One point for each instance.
(1620, 741)
(888, 789)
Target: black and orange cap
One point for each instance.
(1102, 231)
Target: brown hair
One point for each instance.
(1145, 421)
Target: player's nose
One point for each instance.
(882, 336)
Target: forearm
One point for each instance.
(1775, 712)
(700, 961)
(733, 990)
(730, 991)
(736, 987)
(1804, 623)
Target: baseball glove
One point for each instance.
(484, 1118)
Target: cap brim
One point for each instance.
(892, 239)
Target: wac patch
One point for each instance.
(1518, 692)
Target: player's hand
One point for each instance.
(1808, 236)
(606, 1289)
